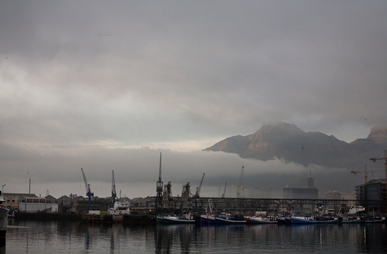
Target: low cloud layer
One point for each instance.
(136, 172)
(89, 85)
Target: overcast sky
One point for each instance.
(109, 85)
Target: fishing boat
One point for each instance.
(3, 218)
(207, 219)
(160, 218)
(351, 219)
(327, 220)
(11, 214)
(186, 219)
(262, 220)
(303, 220)
(229, 220)
(374, 219)
(119, 209)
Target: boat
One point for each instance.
(160, 218)
(3, 218)
(351, 219)
(327, 220)
(303, 220)
(11, 214)
(356, 209)
(185, 219)
(207, 219)
(374, 219)
(119, 209)
(262, 220)
(229, 220)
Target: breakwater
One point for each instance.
(90, 218)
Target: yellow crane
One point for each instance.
(385, 163)
(365, 172)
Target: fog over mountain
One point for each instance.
(289, 143)
(109, 85)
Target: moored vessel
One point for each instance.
(185, 219)
(229, 220)
(262, 220)
(3, 218)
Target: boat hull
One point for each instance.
(373, 220)
(220, 220)
(302, 220)
(160, 219)
(177, 220)
(3, 222)
(253, 220)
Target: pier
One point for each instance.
(252, 205)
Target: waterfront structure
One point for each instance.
(372, 195)
(307, 182)
(300, 193)
(307, 190)
(35, 204)
(333, 194)
(12, 200)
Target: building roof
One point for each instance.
(20, 194)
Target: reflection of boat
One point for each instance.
(3, 218)
(178, 219)
(262, 220)
(229, 220)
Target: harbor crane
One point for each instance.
(197, 194)
(385, 163)
(224, 192)
(88, 191)
(240, 182)
(159, 188)
(114, 193)
(365, 172)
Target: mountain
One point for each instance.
(287, 142)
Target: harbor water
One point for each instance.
(80, 237)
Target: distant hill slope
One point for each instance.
(291, 144)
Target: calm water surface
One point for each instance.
(77, 237)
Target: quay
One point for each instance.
(250, 205)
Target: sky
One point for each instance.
(110, 85)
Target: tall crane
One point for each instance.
(240, 182)
(159, 188)
(88, 191)
(114, 193)
(385, 164)
(365, 172)
(224, 192)
(198, 188)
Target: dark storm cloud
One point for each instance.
(78, 75)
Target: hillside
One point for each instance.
(289, 143)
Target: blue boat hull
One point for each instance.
(219, 220)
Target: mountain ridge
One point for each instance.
(289, 143)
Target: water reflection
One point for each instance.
(67, 237)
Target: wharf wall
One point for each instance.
(104, 218)
(90, 218)
(47, 216)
